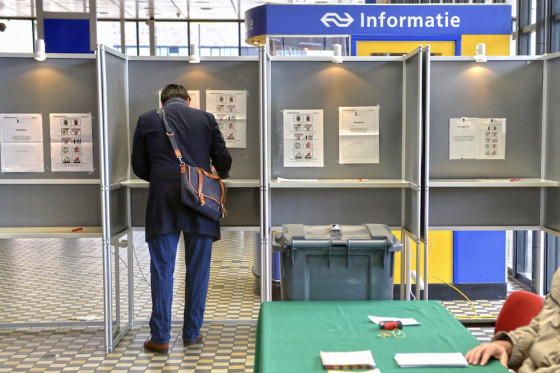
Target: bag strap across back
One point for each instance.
(173, 140)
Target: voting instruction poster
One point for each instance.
(230, 110)
(303, 138)
(71, 142)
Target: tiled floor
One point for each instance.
(55, 280)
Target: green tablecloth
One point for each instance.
(290, 335)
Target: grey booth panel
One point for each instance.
(33, 205)
(119, 211)
(146, 78)
(553, 120)
(341, 206)
(552, 166)
(501, 88)
(413, 119)
(552, 212)
(509, 207)
(324, 85)
(57, 85)
(411, 213)
(242, 205)
(117, 123)
(138, 200)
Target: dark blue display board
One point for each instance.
(479, 257)
(67, 36)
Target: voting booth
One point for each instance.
(372, 139)
(320, 166)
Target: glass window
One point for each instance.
(130, 38)
(144, 33)
(172, 38)
(17, 36)
(306, 46)
(109, 33)
(216, 38)
(247, 49)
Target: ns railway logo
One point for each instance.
(382, 20)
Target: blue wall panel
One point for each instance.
(479, 257)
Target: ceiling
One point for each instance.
(159, 9)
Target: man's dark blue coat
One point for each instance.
(153, 160)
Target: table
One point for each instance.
(290, 335)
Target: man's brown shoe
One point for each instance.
(159, 349)
(198, 339)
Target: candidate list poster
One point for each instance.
(303, 138)
(21, 143)
(71, 142)
(230, 110)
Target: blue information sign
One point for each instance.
(474, 19)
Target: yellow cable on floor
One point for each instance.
(468, 300)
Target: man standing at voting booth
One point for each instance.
(201, 144)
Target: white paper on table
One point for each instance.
(21, 142)
(303, 138)
(438, 359)
(358, 134)
(194, 95)
(404, 321)
(348, 360)
(463, 138)
(71, 142)
(230, 109)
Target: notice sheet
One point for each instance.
(358, 134)
(477, 138)
(21, 142)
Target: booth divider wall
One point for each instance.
(114, 149)
(552, 155)
(551, 196)
(412, 107)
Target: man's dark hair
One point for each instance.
(174, 90)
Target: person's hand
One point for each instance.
(497, 349)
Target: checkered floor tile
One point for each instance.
(226, 348)
(59, 280)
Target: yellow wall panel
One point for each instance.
(437, 48)
(440, 257)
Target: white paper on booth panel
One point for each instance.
(21, 142)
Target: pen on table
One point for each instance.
(77, 229)
(515, 179)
